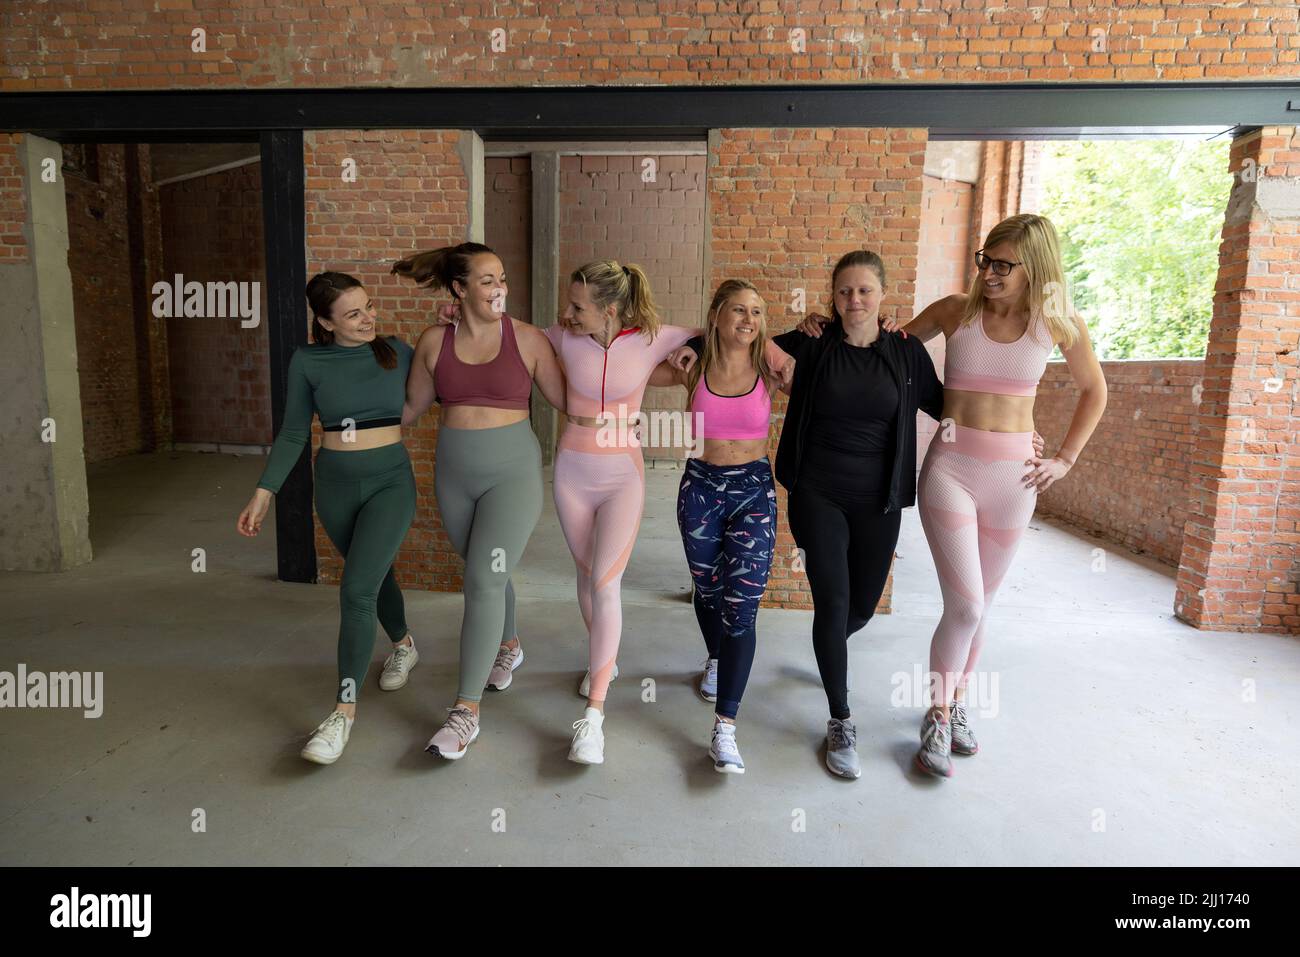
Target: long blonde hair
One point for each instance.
(627, 287)
(1046, 295)
(712, 348)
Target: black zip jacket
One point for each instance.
(918, 388)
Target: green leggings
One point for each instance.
(489, 488)
(365, 500)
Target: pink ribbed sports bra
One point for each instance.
(975, 363)
(744, 417)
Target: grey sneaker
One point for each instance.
(963, 738)
(709, 680)
(397, 667)
(584, 688)
(842, 748)
(508, 659)
(936, 745)
(453, 739)
(723, 750)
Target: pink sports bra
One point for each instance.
(503, 383)
(732, 416)
(975, 363)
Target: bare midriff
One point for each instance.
(358, 440)
(988, 412)
(596, 423)
(480, 417)
(733, 451)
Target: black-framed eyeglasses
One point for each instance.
(1000, 266)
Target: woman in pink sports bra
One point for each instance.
(726, 505)
(976, 497)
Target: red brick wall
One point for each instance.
(111, 45)
(784, 205)
(1130, 484)
(99, 258)
(13, 201)
(607, 212)
(508, 224)
(411, 194)
(941, 269)
(1008, 185)
(1240, 566)
(220, 371)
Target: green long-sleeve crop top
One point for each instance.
(337, 382)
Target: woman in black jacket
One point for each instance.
(847, 458)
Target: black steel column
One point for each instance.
(286, 277)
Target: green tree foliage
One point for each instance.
(1140, 224)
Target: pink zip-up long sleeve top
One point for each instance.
(602, 380)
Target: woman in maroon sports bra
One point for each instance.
(489, 468)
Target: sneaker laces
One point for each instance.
(331, 729)
(842, 736)
(936, 738)
(400, 654)
(725, 741)
(460, 720)
(503, 658)
(957, 715)
(710, 667)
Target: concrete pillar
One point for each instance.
(44, 508)
(470, 149)
(546, 280)
(1240, 561)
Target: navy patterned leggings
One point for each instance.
(727, 515)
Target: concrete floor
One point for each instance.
(1121, 737)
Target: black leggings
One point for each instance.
(848, 548)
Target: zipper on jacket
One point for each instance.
(604, 366)
(899, 425)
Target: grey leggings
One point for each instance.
(489, 488)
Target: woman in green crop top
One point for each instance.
(365, 487)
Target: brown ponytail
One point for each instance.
(440, 268)
(323, 289)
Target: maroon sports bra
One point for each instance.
(503, 383)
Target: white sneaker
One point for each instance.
(584, 689)
(508, 659)
(329, 739)
(709, 680)
(589, 739)
(723, 750)
(397, 666)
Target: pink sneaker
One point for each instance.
(454, 738)
(508, 659)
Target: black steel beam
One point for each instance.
(286, 277)
(1003, 110)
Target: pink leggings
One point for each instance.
(974, 508)
(599, 496)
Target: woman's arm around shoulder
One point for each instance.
(420, 389)
(942, 315)
(535, 346)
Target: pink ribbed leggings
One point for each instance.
(599, 496)
(974, 508)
